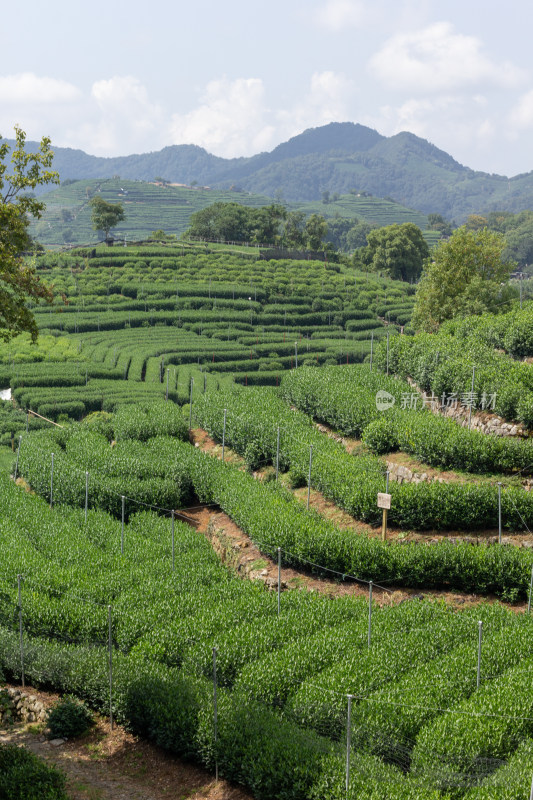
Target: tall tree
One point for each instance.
(316, 228)
(397, 250)
(293, 233)
(18, 281)
(105, 215)
(466, 275)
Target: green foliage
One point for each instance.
(443, 365)
(380, 436)
(18, 280)
(398, 251)
(23, 776)
(69, 718)
(144, 421)
(464, 277)
(459, 743)
(105, 215)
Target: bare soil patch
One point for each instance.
(115, 765)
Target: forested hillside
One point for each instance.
(339, 157)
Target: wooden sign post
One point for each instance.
(384, 500)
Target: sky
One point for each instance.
(241, 76)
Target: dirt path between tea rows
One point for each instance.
(115, 765)
(235, 547)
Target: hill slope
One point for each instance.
(339, 157)
(149, 207)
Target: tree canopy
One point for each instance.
(105, 215)
(466, 275)
(18, 280)
(270, 225)
(397, 251)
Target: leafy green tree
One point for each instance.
(436, 222)
(161, 236)
(237, 223)
(105, 215)
(266, 223)
(358, 233)
(18, 281)
(464, 276)
(315, 230)
(475, 222)
(519, 244)
(293, 232)
(397, 250)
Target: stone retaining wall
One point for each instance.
(21, 706)
(401, 474)
(484, 421)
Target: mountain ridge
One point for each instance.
(340, 157)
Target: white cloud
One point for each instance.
(230, 120)
(326, 101)
(521, 117)
(437, 59)
(337, 15)
(233, 118)
(465, 127)
(118, 118)
(25, 87)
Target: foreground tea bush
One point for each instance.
(23, 776)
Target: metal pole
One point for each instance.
(480, 625)
(348, 742)
(387, 482)
(17, 461)
(296, 354)
(122, 528)
(19, 578)
(173, 567)
(530, 592)
(531, 793)
(371, 349)
(86, 494)
(166, 395)
(499, 512)
(277, 456)
(387, 352)
(279, 581)
(471, 396)
(52, 483)
(215, 709)
(190, 406)
(370, 586)
(110, 636)
(309, 477)
(224, 434)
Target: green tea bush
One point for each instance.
(380, 436)
(69, 718)
(24, 776)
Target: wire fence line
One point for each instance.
(369, 739)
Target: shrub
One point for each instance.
(23, 776)
(380, 436)
(69, 718)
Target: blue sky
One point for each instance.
(237, 78)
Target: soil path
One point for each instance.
(236, 549)
(115, 765)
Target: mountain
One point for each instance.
(341, 157)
